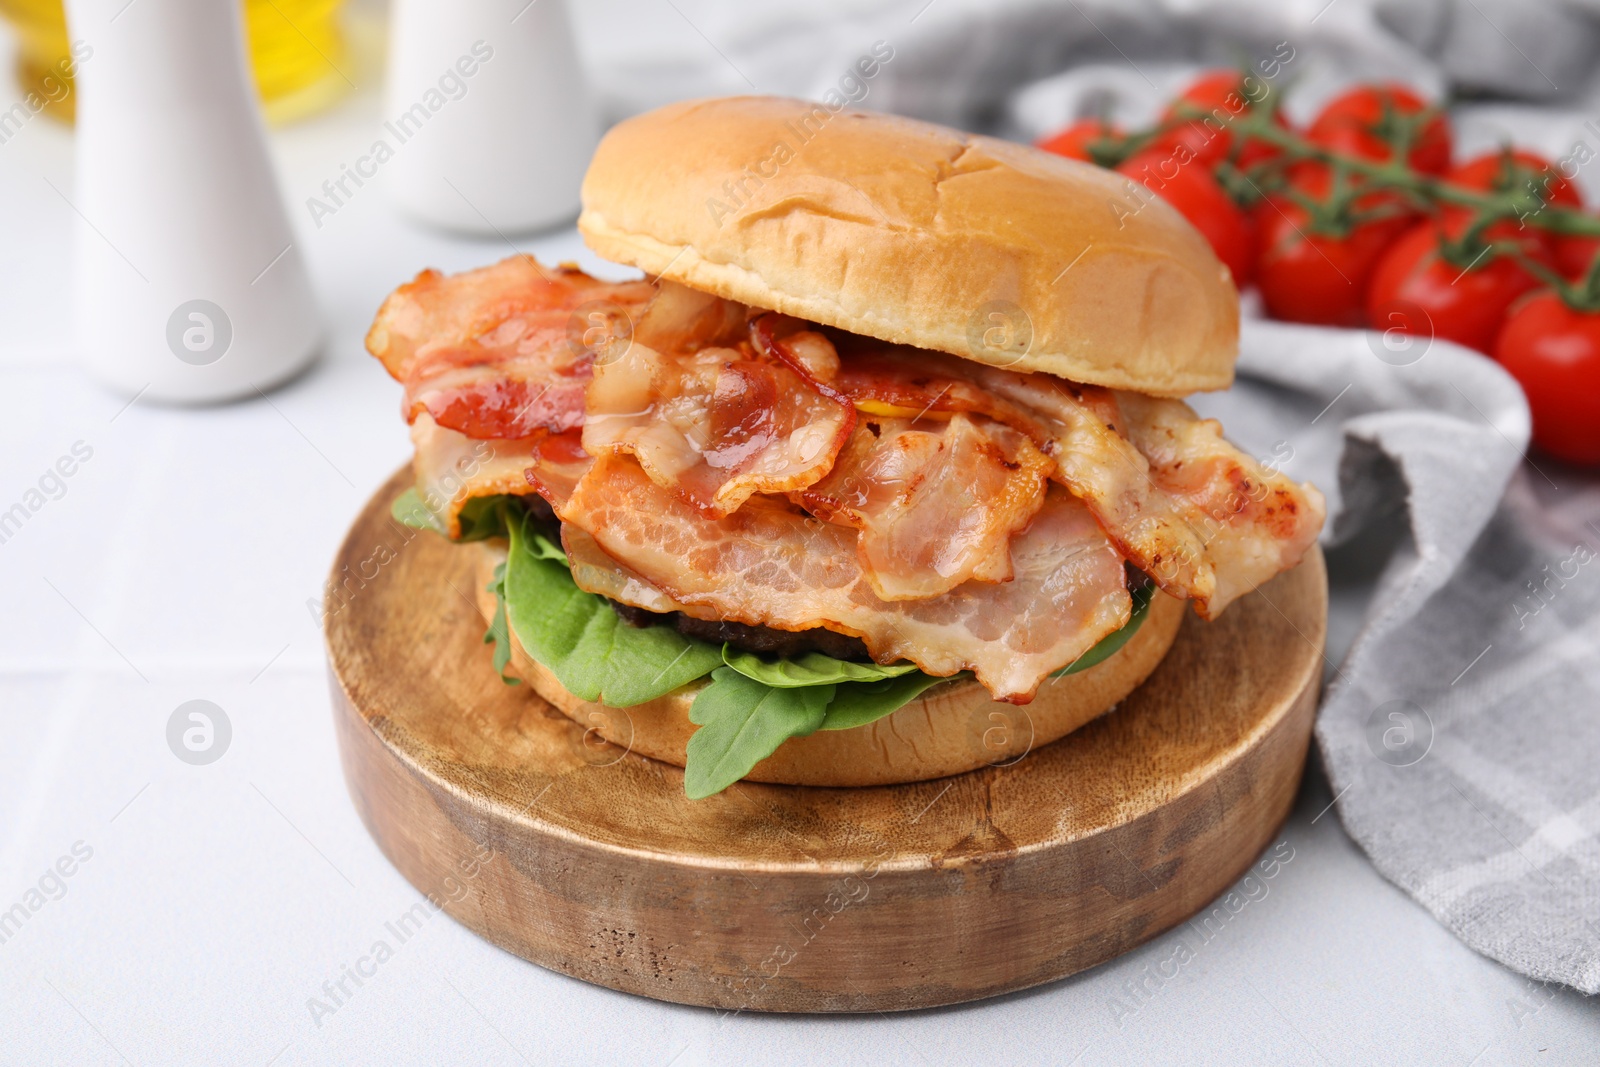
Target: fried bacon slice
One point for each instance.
(556, 462)
(936, 503)
(1251, 522)
(451, 468)
(770, 564)
(595, 572)
(718, 423)
(503, 351)
(728, 408)
(1202, 518)
(913, 383)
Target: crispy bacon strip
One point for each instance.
(770, 564)
(595, 572)
(721, 406)
(1204, 519)
(452, 468)
(714, 424)
(913, 383)
(504, 351)
(480, 402)
(937, 503)
(556, 462)
(1251, 522)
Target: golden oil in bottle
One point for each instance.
(298, 51)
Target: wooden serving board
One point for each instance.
(589, 860)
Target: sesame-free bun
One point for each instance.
(917, 234)
(952, 728)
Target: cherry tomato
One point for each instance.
(1074, 141)
(1224, 95)
(1506, 172)
(1416, 289)
(1574, 255)
(1516, 169)
(1554, 352)
(1185, 183)
(1358, 121)
(1321, 278)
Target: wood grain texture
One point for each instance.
(589, 860)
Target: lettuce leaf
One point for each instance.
(579, 639)
(742, 722)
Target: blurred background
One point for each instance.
(1025, 70)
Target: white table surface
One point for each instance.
(179, 564)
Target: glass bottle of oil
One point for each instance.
(298, 52)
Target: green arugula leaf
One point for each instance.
(499, 634)
(810, 668)
(742, 722)
(483, 517)
(859, 703)
(543, 548)
(577, 636)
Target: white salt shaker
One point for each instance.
(190, 286)
(488, 114)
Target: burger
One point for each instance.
(886, 447)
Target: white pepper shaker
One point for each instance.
(488, 113)
(190, 285)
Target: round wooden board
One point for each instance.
(589, 860)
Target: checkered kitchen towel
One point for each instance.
(1461, 733)
(1462, 730)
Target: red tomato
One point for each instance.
(1516, 169)
(1186, 184)
(1074, 141)
(1554, 352)
(1456, 304)
(1512, 171)
(1321, 278)
(1224, 95)
(1574, 255)
(1355, 123)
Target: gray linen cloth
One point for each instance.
(1461, 732)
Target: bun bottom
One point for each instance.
(952, 728)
